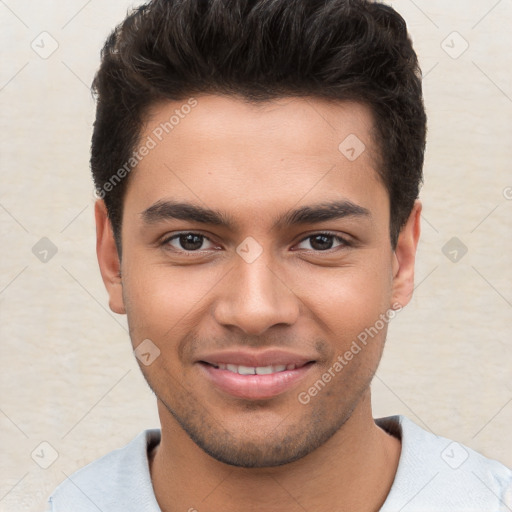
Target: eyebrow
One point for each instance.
(168, 210)
(164, 210)
(322, 212)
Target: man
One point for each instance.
(258, 165)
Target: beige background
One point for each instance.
(67, 374)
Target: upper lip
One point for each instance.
(254, 359)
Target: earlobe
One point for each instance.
(404, 258)
(108, 258)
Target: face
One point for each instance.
(255, 252)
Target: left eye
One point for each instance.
(188, 242)
(322, 242)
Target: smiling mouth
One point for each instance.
(256, 370)
(254, 382)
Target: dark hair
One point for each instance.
(260, 50)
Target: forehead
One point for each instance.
(305, 125)
(226, 150)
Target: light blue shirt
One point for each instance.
(434, 475)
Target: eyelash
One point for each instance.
(343, 242)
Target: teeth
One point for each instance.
(246, 370)
(255, 370)
(264, 370)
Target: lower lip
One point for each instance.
(254, 387)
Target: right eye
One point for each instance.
(187, 242)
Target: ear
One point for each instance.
(108, 258)
(404, 258)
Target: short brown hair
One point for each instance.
(261, 50)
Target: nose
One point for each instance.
(255, 298)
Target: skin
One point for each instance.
(255, 163)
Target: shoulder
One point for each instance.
(435, 473)
(118, 481)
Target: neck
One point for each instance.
(353, 470)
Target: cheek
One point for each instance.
(161, 297)
(346, 299)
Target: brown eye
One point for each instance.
(191, 242)
(323, 242)
(187, 242)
